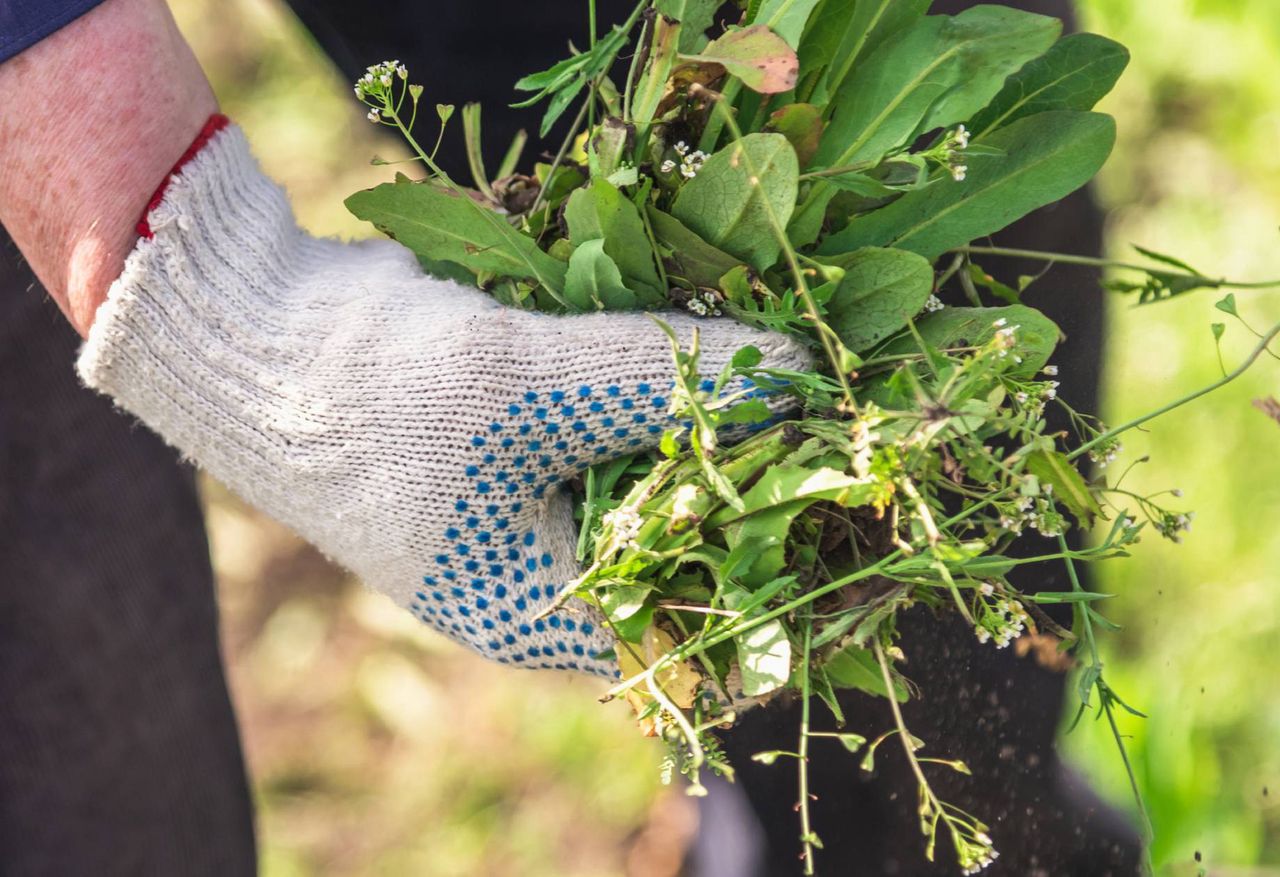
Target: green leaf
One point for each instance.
(764, 656)
(1069, 487)
(756, 55)
(1035, 338)
(691, 257)
(786, 18)
(1228, 305)
(856, 667)
(1048, 156)
(938, 72)
(620, 603)
(880, 292)
(1219, 329)
(1057, 597)
(441, 226)
(601, 212)
(839, 37)
(852, 742)
(593, 281)
(1166, 259)
(663, 48)
(695, 17)
(801, 124)
(726, 202)
(563, 81)
(1077, 72)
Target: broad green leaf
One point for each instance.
(785, 483)
(856, 667)
(601, 211)
(622, 602)
(801, 124)
(764, 656)
(1047, 157)
(695, 17)
(1069, 487)
(441, 226)
(730, 200)
(1035, 335)
(758, 543)
(593, 281)
(880, 292)
(843, 32)
(786, 18)
(938, 72)
(756, 55)
(691, 257)
(1077, 72)
(806, 223)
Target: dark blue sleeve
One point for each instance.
(23, 23)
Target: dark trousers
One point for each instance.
(118, 746)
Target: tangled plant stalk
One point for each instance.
(819, 168)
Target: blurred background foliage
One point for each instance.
(379, 749)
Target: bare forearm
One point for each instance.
(93, 119)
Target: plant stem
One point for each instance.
(1165, 409)
(564, 150)
(1093, 262)
(856, 167)
(1105, 701)
(806, 826)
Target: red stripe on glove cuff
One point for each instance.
(215, 124)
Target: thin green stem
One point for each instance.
(565, 146)
(1093, 262)
(856, 167)
(806, 825)
(1178, 403)
(1105, 701)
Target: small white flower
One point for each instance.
(668, 166)
(682, 147)
(961, 137)
(385, 79)
(1000, 323)
(374, 116)
(1051, 371)
(1177, 492)
(987, 589)
(959, 172)
(932, 304)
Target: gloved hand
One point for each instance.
(411, 428)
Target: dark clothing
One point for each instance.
(117, 743)
(118, 746)
(23, 23)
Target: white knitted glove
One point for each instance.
(411, 428)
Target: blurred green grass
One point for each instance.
(379, 749)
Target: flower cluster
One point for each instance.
(933, 303)
(691, 161)
(953, 153)
(1171, 525)
(376, 89)
(1002, 621)
(625, 523)
(704, 303)
(1106, 453)
(976, 853)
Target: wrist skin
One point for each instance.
(94, 118)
